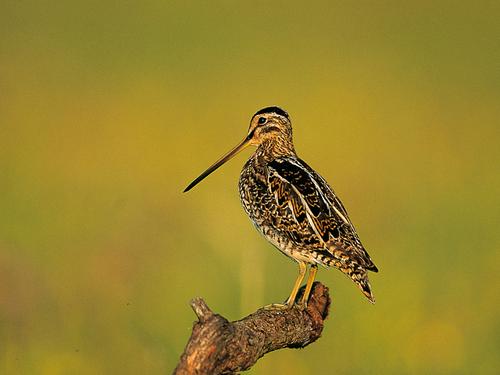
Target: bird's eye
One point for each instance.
(262, 120)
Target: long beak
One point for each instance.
(242, 145)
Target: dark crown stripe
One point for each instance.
(273, 109)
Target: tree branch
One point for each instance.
(217, 346)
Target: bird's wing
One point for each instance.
(310, 199)
(328, 192)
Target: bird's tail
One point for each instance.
(357, 274)
(360, 277)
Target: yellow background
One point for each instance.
(108, 110)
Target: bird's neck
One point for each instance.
(275, 148)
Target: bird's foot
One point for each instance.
(301, 305)
(277, 306)
(285, 306)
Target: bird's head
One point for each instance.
(270, 130)
(270, 124)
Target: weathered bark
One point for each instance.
(217, 346)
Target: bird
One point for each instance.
(294, 208)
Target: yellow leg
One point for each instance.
(302, 271)
(310, 281)
(290, 301)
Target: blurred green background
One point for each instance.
(109, 109)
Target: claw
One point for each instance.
(277, 306)
(301, 306)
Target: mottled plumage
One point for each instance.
(293, 206)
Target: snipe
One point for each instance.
(293, 206)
